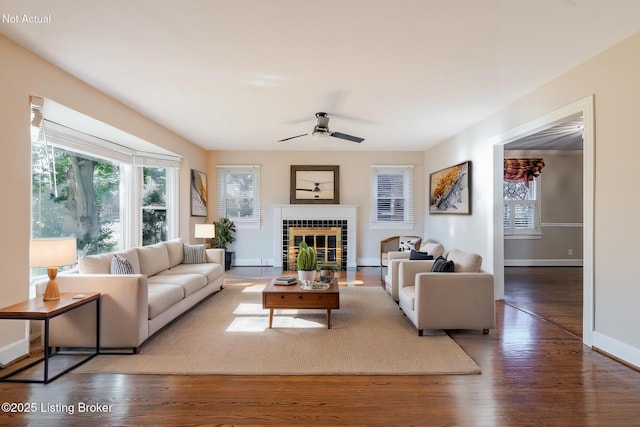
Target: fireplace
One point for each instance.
(330, 229)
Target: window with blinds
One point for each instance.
(521, 210)
(392, 196)
(239, 194)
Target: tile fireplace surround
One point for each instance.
(315, 213)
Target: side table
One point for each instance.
(38, 309)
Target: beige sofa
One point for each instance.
(463, 299)
(135, 306)
(394, 258)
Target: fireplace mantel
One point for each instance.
(290, 212)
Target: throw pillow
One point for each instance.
(409, 243)
(194, 254)
(417, 255)
(120, 265)
(441, 265)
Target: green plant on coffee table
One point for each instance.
(307, 258)
(328, 267)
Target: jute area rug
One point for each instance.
(229, 334)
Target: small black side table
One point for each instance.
(38, 309)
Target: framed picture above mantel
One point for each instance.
(314, 184)
(450, 190)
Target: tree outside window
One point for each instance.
(154, 205)
(75, 195)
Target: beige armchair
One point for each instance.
(463, 299)
(393, 267)
(396, 244)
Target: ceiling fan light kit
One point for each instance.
(321, 130)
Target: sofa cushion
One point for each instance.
(441, 265)
(95, 264)
(162, 296)
(101, 263)
(190, 282)
(465, 262)
(210, 270)
(194, 254)
(120, 265)
(419, 255)
(153, 259)
(176, 252)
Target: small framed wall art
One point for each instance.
(198, 193)
(314, 184)
(450, 190)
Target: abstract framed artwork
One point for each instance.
(314, 184)
(450, 190)
(198, 193)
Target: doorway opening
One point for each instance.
(584, 109)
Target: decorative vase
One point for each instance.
(327, 273)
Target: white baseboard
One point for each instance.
(616, 348)
(543, 263)
(252, 262)
(13, 351)
(368, 262)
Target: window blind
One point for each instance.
(73, 140)
(392, 195)
(239, 193)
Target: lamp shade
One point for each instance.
(53, 252)
(205, 231)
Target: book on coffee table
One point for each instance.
(285, 280)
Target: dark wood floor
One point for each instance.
(534, 373)
(553, 293)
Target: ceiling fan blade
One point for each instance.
(347, 137)
(303, 189)
(291, 137)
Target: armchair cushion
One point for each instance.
(465, 262)
(432, 248)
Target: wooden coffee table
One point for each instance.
(294, 297)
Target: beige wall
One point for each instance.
(612, 77)
(255, 246)
(560, 213)
(24, 74)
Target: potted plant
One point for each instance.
(307, 262)
(328, 270)
(224, 237)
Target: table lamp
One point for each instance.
(205, 231)
(53, 253)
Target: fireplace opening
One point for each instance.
(326, 241)
(327, 237)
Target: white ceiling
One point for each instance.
(244, 74)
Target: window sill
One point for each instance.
(391, 226)
(530, 236)
(249, 225)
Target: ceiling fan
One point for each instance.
(322, 129)
(316, 188)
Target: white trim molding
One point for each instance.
(543, 262)
(617, 349)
